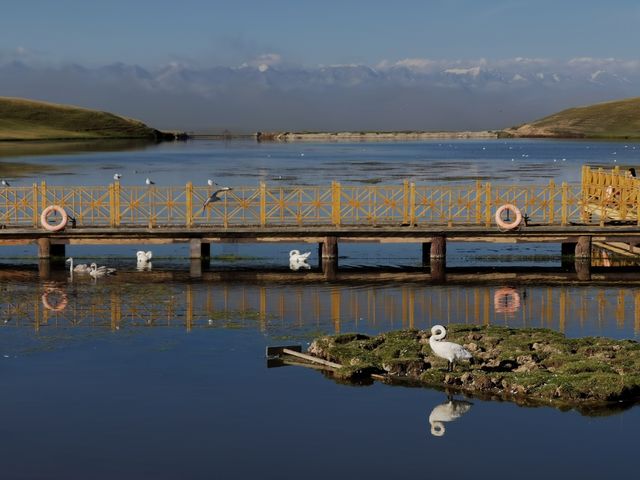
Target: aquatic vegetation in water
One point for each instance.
(525, 365)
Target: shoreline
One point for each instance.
(370, 136)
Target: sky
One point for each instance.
(310, 35)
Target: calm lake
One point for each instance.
(153, 374)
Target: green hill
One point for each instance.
(619, 119)
(22, 119)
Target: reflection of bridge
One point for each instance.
(268, 305)
(573, 215)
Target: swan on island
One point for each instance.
(447, 412)
(81, 268)
(452, 352)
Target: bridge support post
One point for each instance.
(583, 268)
(44, 268)
(438, 258)
(198, 249)
(330, 268)
(44, 248)
(583, 247)
(329, 248)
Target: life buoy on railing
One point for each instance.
(506, 300)
(64, 218)
(508, 225)
(58, 306)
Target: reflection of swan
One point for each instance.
(144, 266)
(448, 350)
(298, 264)
(143, 257)
(447, 412)
(296, 256)
(96, 271)
(82, 268)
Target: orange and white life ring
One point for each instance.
(64, 218)
(515, 223)
(506, 300)
(57, 306)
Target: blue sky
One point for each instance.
(321, 65)
(208, 33)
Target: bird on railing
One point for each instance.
(214, 196)
(211, 183)
(148, 181)
(117, 176)
(5, 183)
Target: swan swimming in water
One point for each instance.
(452, 352)
(296, 256)
(296, 265)
(81, 268)
(95, 271)
(144, 257)
(447, 412)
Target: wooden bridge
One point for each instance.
(574, 215)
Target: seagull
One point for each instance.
(81, 268)
(148, 181)
(447, 412)
(143, 257)
(448, 350)
(296, 256)
(101, 271)
(5, 183)
(214, 196)
(211, 183)
(117, 176)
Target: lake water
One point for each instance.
(153, 374)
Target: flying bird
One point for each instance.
(214, 196)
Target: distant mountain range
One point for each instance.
(413, 94)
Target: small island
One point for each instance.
(530, 366)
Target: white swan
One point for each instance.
(452, 352)
(296, 265)
(95, 271)
(141, 266)
(81, 268)
(447, 412)
(296, 256)
(143, 257)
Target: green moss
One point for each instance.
(536, 364)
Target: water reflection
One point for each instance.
(449, 411)
(159, 298)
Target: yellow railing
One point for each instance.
(610, 195)
(264, 205)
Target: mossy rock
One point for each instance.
(524, 365)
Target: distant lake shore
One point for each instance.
(369, 136)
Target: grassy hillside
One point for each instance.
(619, 119)
(22, 119)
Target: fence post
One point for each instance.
(405, 202)
(565, 207)
(478, 202)
(35, 204)
(552, 203)
(112, 205)
(189, 204)
(116, 202)
(488, 204)
(335, 202)
(412, 203)
(263, 204)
